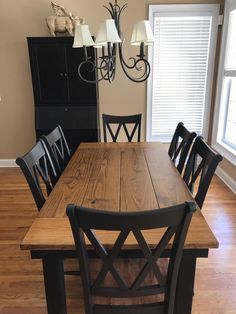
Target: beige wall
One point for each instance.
(22, 18)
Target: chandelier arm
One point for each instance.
(109, 69)
(94, 67)
(136, 61)
(121, 10)
(113, 73)
(110, 66)
(141, 78)
(105, 68)
(118, 18)
(135, 65)
(110, 11)
(141, 60)
(147, 70)
(114, 7)
(114, 54)
(131, 67)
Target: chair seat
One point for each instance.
(128, 267)
(153, 308)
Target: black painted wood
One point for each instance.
(175, 220)
(38, 169)
(54, 285)
(186, 275)
(126, 253)
(57, 148)
(180, 145)
(202, 162)
(185, 284)
(119, 122)
(60, 96)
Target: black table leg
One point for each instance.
(185, 285)
(54, 284)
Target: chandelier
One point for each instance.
(109, 44)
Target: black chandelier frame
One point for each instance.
(107, 68)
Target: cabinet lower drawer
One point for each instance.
(70, 118)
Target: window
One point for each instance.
(182, 59)
(224, 132)
(229, 135)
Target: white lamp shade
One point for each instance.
(142, 33)
(107, 33)
(82, 36)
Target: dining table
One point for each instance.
(116, 177)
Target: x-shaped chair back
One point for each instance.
(122, 121)
(85, 222)
(38, 169)
(180, 145)
(201, 164)
(58, 148)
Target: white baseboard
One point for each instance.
(229, 181)
(6, 163)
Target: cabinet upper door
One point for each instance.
(81, 93)
(50, 77)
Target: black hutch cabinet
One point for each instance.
(60, 96)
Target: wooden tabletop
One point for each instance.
(116, 177)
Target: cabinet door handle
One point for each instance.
(65, 74)
(61, 74)
(66, 109)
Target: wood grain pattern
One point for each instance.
(103, 190)
(121, 145)
(48, 233)
(22, 285)
(117, 176)
(72, 185)
(169, 187)
(135, 183)
(114, 176)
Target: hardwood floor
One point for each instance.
(21, 281)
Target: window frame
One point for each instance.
(214, 10)
(222, 105)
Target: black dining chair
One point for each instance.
(134, 121)
(201, 166)
(39, 172)
(180, 145)
(41, 175)
(58, 149)
(172, 222)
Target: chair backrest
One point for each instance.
(180, 145)
(58, 149)
(202, 163)
(134, 120)
(173, 223)
(38, 170)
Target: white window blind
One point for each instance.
(180, 60)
